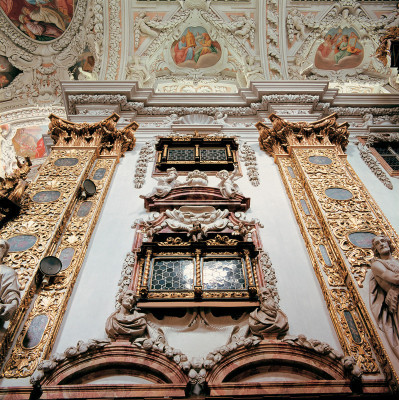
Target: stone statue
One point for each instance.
(10, 295)
(268, 318)
(384, 290)
(126, 320)
(129, 321)
(227, 184)
(165, 184)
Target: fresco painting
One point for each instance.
(341, 49)
(29, 142)
(7, 72)
(41, 20)
(84, 66)
(195, 49)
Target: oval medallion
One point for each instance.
(320, 160)
(99, 174)
(338, 194)
(21, 242)
(292, 173)
(46, 196)
(84, 208)
(66, 162)
(66, 257)
(352, 327)
(35, 331)
(362, 239)
(324, 254)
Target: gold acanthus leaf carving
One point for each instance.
(224, 240)
(283, 134)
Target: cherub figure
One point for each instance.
(197, 232)
(165, 185)
(227, 184)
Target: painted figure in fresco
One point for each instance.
(10, 296)
(384, 290)
(227, 184)
(329, 42)
(40, 20)
(268, 318)
(206, 47)
(195, 49)
(340, 50)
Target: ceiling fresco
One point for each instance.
(41, 20)
(187, 46)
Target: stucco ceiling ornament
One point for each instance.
(137, 70)
(182, 219)
(272, 39)
(43, 64)
(345, 19)
(233, 37)
(114, 40)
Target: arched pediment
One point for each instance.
(119, 359)
(277, 360)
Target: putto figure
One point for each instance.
(165, 185)
(227, 184)
(384, 290)
(10, 296)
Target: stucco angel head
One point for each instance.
(223, 175)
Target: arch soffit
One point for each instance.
(275, 353)
(113, 357)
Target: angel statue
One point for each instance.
(227, 184)
(165, 184)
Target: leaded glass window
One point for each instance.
(223, 274)
(209, 154)
(172, 274)
(390, 153)
(181, 155)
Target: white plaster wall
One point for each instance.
(92, 300)
(387, 199)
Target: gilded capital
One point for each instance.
(326, 131)
(103, 134)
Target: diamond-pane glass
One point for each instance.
(223, 274)
(213, 155)
(172, 274)
(181, 155)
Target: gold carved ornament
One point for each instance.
(75, 231)
(328, 222)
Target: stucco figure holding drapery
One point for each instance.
(268, 318)
(384, 290)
